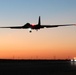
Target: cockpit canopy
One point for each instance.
(27, 25)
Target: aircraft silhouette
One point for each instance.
(36, 26)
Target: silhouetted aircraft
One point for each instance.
(36, 26)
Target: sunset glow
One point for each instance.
(52, 43)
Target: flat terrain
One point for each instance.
(37, 67)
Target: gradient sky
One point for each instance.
(59, 43)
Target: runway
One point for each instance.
(37, 67)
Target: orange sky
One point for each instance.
(59, 43)
(44, 44)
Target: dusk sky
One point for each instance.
(46, 43)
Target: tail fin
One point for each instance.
(39, 21)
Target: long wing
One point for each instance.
(15, 27)
(18, 27)
(51, 26)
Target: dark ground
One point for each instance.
(37, 67)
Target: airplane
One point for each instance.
(38, 26)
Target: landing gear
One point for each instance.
(30, 31)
